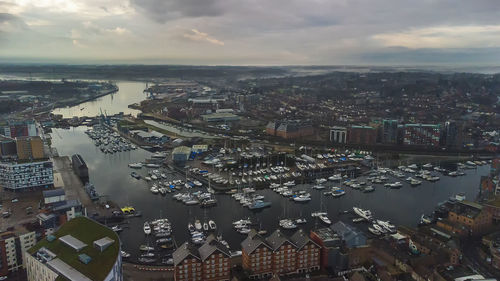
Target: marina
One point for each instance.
(111, 174)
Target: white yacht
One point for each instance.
(325, 219)
(366, 214)
(317, 214)
(197, 225)
(137, 165)
(147, 228)
(387, 225)
(287, 224)
(374, 231)
(212, 225)
(336, 177)
(379, 228)
(321, 180)
(302, 198)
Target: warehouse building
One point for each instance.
(181, 154)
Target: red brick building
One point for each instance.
(256, 256)
(307, 251)
(209, 262)
(187, 263)
(284, 253)
(472, 216)
(289, 129)
(361, 135)
(279, 254)
(215, 258)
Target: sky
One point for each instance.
(251, 32)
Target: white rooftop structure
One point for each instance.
(74, 243)
(67, 271)
(103, 243)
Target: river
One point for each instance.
(128, 93)
(111, 176)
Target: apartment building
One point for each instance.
(280, 254)
(307, 252)
(215, 258)
(29, 148)
(16, 176)
(187, 263)
(12, 248)
(257, 255)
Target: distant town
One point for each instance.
(246, 173)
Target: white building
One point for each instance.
(338, 134)
(81, 250)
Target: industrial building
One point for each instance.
(17, 176)
(220, 117)
(80, 167)
(151, 138)
(181, 154)
(81, 249)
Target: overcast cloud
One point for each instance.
(257, 32)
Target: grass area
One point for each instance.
(87, 231)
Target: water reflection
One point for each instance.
(128, 93)
(111, 176)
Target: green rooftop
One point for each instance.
(87, 231)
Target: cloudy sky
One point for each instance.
(251, 32)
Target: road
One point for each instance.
(132, 273)
(470, 250)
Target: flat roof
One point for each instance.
(104, 242)
(87, 231)
(54, 192)
(67, 271)
(73, 242)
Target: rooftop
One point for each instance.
(53, 192)
(182, 149)
(73, 242)
(184, 251)
(252, 242)
(86, 231)
(211, 246)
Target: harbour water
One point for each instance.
(128, 93)
(111, 176)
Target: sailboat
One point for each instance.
(323, 216)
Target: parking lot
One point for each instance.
(19, 207)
